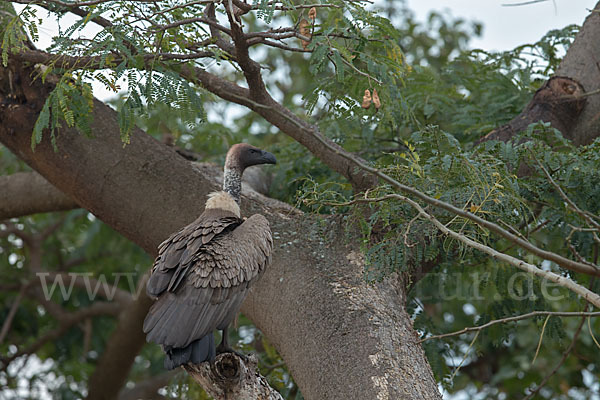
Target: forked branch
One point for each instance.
(585, 293)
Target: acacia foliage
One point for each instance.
(433, 150)
(437, 99)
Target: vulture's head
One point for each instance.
(242, 155)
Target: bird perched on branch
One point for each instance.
(203, 272)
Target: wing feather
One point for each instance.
(181, 247)
(209, 280)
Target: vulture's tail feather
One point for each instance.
(196, 352)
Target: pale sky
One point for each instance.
(505, 28)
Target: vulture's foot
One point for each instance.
(224, 347)
(227, 349)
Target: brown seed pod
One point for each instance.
(304, 31)
(366, 99)
(376, 100)
(312, 14)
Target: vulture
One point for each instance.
(203, 272)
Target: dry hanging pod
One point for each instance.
(376, 100)
(366, 99)
(312, 14)
(304, 31)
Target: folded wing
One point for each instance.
(203, 274)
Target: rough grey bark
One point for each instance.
(559, 101)
(570, 100)
(27, 193)
(582, 64)
(237, 379)
(340, 337)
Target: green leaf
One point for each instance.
(42, 123)
(339, 65)
(318, 59)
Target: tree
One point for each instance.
(405, 196)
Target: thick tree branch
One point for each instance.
(124, 344)
(251, 69)
(521, 242)
(582, 63)
(66, 321)
(26, 193)
(585, 293)
(256, 99)
(133, 189)
(236, 379)
(11, 313)
(98, 62)
(138, 170)
(559, 101)
(215, 33)
(300, 130)
(90, 284)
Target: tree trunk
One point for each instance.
(339, 336)
(559, 101)
(582, 64)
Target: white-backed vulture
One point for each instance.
(203, 272)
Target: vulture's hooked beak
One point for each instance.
(268, 158)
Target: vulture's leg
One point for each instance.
(224, 346)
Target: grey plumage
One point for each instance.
(197, 352)
(201, 276)
(218, 251)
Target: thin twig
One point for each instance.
(186, 21)
(525, 3)
(587, 294)
(301, 6)
(267, 42)
(188, 4)
(74, 3)
(12, 312)
(590, 221)
(95, 62)
(513, 319)
(592, 334)
(465, 357)
(547, 255)
(407, 231)
(539, 346)
(565, 354)
(349, 64)
(578, 256)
